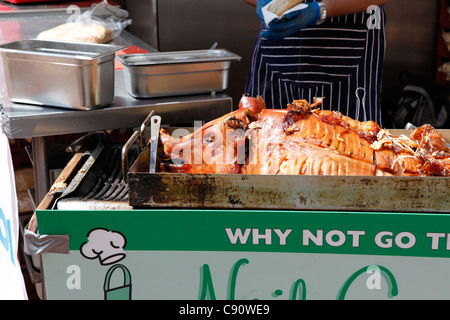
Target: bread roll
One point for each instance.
(280, 6)
(78, 32)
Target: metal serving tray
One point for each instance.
(176, 73)
(282, 192)
(60, 74)
(290, 192)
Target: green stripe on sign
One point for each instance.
(399, 234)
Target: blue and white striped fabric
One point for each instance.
(331, 60)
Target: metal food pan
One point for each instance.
(284, 192)
(290, 192)
(176, 73)
(60, 74)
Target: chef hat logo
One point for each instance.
(105, 245)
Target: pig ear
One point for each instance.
(256, 105)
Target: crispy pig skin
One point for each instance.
(303, 140)
(314, 148)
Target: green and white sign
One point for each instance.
(244, 254)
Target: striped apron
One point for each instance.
(331, 60)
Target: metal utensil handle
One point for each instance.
(125, 152)
(141, 135)
(358, 103)
(214, 46)
(154, 132)
(143, 142)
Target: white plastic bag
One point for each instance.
(270, 16)
(111, 17)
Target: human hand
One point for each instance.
(292, 21)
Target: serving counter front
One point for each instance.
(193, 254)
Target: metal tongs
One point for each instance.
(155, 124)
(154, 121)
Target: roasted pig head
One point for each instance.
(216, 147)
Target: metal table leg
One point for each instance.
(40, 168)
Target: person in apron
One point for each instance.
(332, 49)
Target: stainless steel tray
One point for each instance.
(60, 74)
(283, 192)
(176, 73)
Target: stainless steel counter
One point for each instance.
(22, 121)
(36, 122)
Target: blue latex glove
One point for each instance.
(293, 22)
(259, 5)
